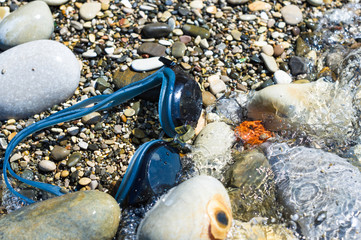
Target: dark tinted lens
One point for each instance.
(187, 100)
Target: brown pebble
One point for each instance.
(278, 50)
(11, 136)
(241, 87)
(64, 173)
(295, 31)
(208, 98)
(124, 118)
(84, 181)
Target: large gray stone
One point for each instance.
(321, 190)
(81, 215)
(35, 76)
(30, 22)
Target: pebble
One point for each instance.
(281, 77)
(29, 87)
(178, 49)
(216, 85)
(88, 215)
(269, 62)
(91, 118)
(208, 98)
(195, 31)
(237, 2)
(236, 35)
(152, 49)
(292, 14)
(55, 2)
(47, 166)
(164, 42)
(259, 6)
(83, 145)
(129, 112)
(211, 9)
(146, 64)
(268, 49)
(248, 17)
(74, 159)
(89, 10)
(185, 39)
(156, 30)
(22, 25)
(90, 54)
(59, 153)
(278, 50)
(64, 173)
(196, 4)
(297, 65)
(315, 2)
(84, 181)
(4, 12)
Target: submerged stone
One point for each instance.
(321, 188)
(321, 109)
(198, 208)
(251, 187)
(81, 215)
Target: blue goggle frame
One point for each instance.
(165, 77)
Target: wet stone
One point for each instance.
(156, 30)
(195, 31)
(74, 159)
(301, 47)
(178, 49)
(88, 215)
(298, 65)
(152, 49)
(59, 153)
(138, 133)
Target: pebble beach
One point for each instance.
(56, 53)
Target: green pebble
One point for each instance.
(74, 159)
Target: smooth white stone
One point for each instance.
(126, 3)
(189, 211)
(196, 4)
(89, 10)
(281, 77)
(217, 86)
(315, 2)
(30, 22)
(164, 42)
(248, 17)
(35, 76)
(89, 54)
(270, 62)
(47, 166)
(146, 64)
(292, 14)
(55, 2)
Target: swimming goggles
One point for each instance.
(155, 164)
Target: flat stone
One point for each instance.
(281, 77)
(202, 199)
(89, 10)
(164, 42)
(59, 153)
(146, 64)
(298, 65)
(84, 181)
(152, 49)
(195, 31)
(88, 215)
(268, 49)
(124, 78)
(29, 87)
(208, 98)
(156, 30)
(22, 25)
(259, 6)
(237, 2)
(315, 2)
(47, 166)
(269, 62)
(74, 159)
(178, 49)
(185, 39)
(248, 17)
(55, 2)
(91, 118)
(236, 34)
(292, 14)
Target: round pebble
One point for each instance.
(47, 166)
(84, 181)
(89, 10)
(278, 50)
(268, 49)
(59, 153)
(281, 77)
(292, 14)
(129, 112)
(74, 159)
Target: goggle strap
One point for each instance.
(76, 111)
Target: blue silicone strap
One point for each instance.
(79, 110)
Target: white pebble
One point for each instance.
(146, 64)
(281, 77)
(47, 166)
